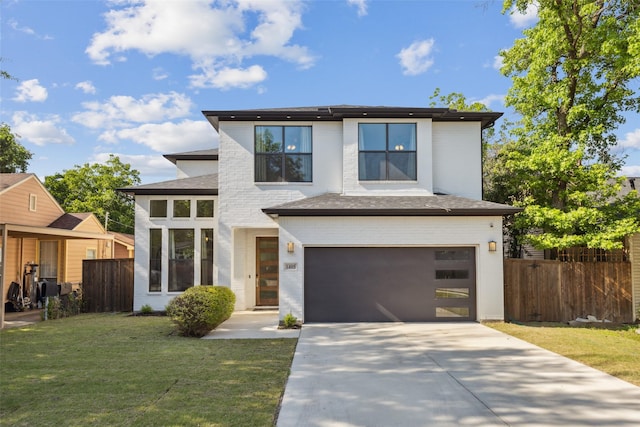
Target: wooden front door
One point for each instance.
(267, 271)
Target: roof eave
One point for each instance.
(390, 212)
(169, 192)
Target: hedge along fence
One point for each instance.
(554, 291)
(107, 285)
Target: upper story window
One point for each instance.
(158, 208)
(182, 208)
(33, 202)
(283, 154)
(387, 151)
(204, 209)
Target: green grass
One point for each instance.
(117, 370)
(614, 351)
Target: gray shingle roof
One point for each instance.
(438, 205)
(69, 221)
(8, 180)
(199, 185)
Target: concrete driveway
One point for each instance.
(434, 374)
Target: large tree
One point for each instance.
(13, 156)
(93, 188)
(573, 77)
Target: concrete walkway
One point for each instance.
(434, 374)
(251, 325)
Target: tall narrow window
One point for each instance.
(206, 256)
(181, 251)
(155, 260)
(283, 154)
(387, 151)
(33, 202)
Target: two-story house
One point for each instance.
(340, 213)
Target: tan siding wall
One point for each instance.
(635, 271)
(122, 251)
(90, 225)
(15, 206)
(77, 251)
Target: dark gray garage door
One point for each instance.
(389, 284)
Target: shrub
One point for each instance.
(146, 309)
(200, 309)
(64, 306)
(290, 321)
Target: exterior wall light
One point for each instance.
(493, 246)
(290, 247)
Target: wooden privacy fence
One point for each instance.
(554, 291)
(107, 285)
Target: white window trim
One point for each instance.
(33, 202)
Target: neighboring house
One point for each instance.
(124, 245)
(34, 229)
(342, 213)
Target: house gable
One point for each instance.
(25, 201)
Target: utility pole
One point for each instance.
(106, 221)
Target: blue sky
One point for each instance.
(131, 77)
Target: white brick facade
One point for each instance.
(448, 160)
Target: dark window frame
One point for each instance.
(388, 153)
(282, 157)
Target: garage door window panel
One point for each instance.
(444, 293)
(452, 312)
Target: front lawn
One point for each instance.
(614, 351)
(118, 370)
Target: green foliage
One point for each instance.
(201, 309)
(146, 309)
(455, 101)
(64, 306)
(13, 156)
(93, 188)
(290, 321)
(572, 75)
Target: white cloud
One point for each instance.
(122, 111)
(490, 99)
(87, 87)
(631, 170)
(27, 30)
(416, 58)
(498, 62)
(361, 5)
(215, 36)
(168, 137)
(148, 165)
(40, 131)
(526, 19)
(631, 140)
(31, 90)
(228, 78)
(159, 73)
